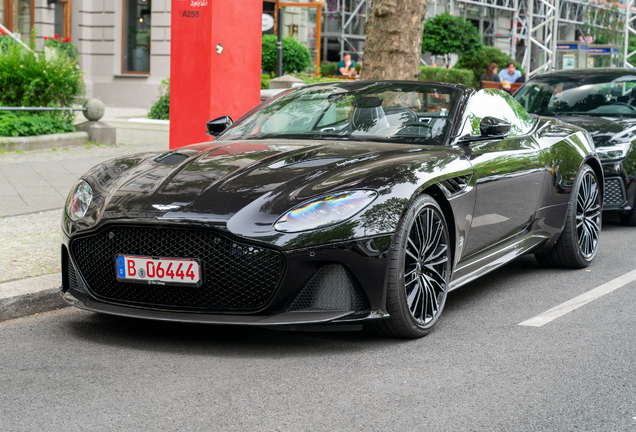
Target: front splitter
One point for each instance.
(300, 318)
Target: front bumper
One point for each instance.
(620, 187)
(339, 283)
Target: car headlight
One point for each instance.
(618, 151)
(79, 199)
(325, 211)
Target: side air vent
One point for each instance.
(456, 184)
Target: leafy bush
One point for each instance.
(5, 42)
(479, 62)
(29, 80)
(452, 76)
(14, 124)
(296, 56)
(265, 81)
(63, 46)
(161, 109)
(445, 33)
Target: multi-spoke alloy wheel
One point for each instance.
(425, 266)
(419, 271)
(588, 215)
(577, 246)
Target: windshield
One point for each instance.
(588, 95)
(401, 112)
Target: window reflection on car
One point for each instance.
(597, 95)
(405, 112)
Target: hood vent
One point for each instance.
(172, 159)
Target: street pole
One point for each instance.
(279, 43)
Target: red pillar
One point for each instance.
(215, 64)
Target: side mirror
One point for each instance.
(491, 126)
(218, 125)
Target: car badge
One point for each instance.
(166, 207)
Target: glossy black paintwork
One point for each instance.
(605, 130)
(513, 197)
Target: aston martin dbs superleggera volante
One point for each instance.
(354, 203)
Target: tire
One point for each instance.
(419, 272)
(578, 244)
(629, 218)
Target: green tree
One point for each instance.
(296, 56)
(446, 33)
(605, 25)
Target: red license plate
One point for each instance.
(158, 271)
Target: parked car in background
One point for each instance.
(352, 203)
(603, 102)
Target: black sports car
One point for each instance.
(351, 203)
(603, 102)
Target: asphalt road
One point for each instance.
(478, 371)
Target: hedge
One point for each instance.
(452, 76)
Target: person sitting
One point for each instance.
(509, 75)
(490, 76)
(346, 66)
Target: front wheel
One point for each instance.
(578, 244)
(419, 271)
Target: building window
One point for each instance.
(3, 8)
(17, 16)
(136, 36)
(63, 17)
(22, 13)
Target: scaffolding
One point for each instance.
(345, 23)
(537, 25)
(628, 31)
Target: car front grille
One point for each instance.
(614, 192)
(236, 276)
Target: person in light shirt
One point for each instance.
(510, 74)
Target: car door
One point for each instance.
(508, 172)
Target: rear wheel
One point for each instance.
(577, 246)
(419, 273)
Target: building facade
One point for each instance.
(124, 45)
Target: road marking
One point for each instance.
(579, 301)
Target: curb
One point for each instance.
(71, 139)
(30, 296)
(149, 121)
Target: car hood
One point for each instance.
(605, 130)
(246, 186)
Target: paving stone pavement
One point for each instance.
(34, 186)
(30, 245)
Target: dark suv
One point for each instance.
(602, 101)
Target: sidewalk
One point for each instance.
(33, 189)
